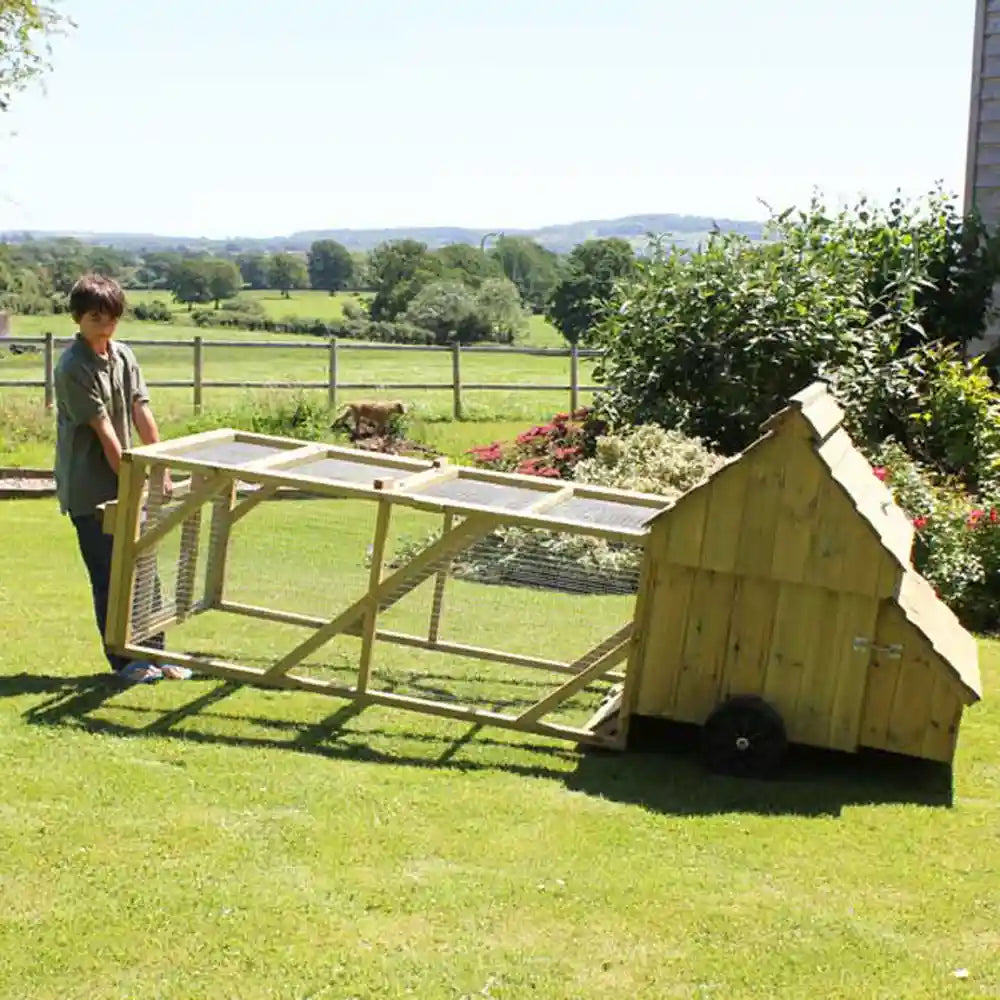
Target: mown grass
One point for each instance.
(195, 840)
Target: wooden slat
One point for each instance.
(706, 638)
(374, 579)
(220, 528)
(765, 481)
(856, 617)
(247, 504)
(183, 510)
(750, 625)
(440, 582)
(239, 673)
(941, 734)
(131, 477)
(163, 449)
(810, 722)
(687, 528)
(665, 628)
(727, 496)
(791, 641)
(593, 664)
(798, 505)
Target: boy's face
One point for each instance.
(97, 326)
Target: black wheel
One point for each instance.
(744, 737)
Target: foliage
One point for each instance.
(957, 536)
(942, 409)
(188, 280)
(646, 459)
(590, 274)
(331, 266)
(453, 311)
(533, 269)
(287, 271)
(649, 459)
(255, 269)
(222, 278)
(552, 449)
(25, 28)
(156, 311)
(395, 271)
(714, 342)
(464, 263)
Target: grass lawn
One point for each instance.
(195, 840)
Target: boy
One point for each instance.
(100, 396)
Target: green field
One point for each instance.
(320, 305)
(196, 840)
(488, 414)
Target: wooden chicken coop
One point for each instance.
(775, 602)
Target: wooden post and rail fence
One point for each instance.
(333, 348)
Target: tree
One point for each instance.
(499, 302)
(533, 269)
(461, 262)
(223, 278)
(287, 271)
(449, 310)
(189, 282)
(331, 265)
(25, 28)
(592, 269)
(255, 269)
(397, 270)
(156, 268)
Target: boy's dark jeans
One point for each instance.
(95, 547)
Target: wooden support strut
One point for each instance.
(392, 589)
(609, 654)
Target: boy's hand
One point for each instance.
(168, 485)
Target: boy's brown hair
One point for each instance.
(96, 293)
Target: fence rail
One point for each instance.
(333, 349)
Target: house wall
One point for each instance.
(982, 184)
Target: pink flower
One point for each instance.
(920, 523)
(975, 517)
(881, 472)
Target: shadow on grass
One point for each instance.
(661, 773)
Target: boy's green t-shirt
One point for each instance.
(88, 385)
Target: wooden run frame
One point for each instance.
(218, 484)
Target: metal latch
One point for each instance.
(893, 651)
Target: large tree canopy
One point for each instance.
(25, 30)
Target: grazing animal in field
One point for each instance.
(377, 414)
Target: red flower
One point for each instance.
(920, 523)
(975, 517)
(881, 472)
(564, 453)
(548, 471)
(994, 517)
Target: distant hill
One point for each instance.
(685, 230)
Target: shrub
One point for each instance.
(156, 311)
(957, 536)
(712, 343)
(649, 459)
(552, 449)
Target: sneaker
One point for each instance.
(175, 672)
(140, 672)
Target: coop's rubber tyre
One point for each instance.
(744, 737)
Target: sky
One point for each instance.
(222, 118)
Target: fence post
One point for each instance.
(331, 391)
(456, 378)
(50, 367)
(198, 359)
(574, 377)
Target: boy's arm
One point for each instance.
(105, 432)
